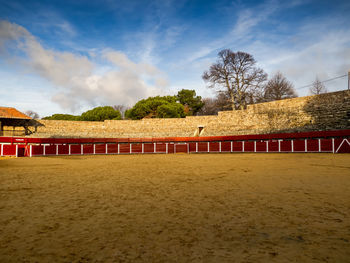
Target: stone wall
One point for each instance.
(322, 112)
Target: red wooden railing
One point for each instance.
(319, 141)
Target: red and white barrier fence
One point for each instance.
(328, 141)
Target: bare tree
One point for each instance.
(237, 75)
(279, 88)
(317, 87)
(223, 101)
(209, 107)
(122, 109)
(32, 114)
(213, 105)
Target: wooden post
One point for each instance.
(305, 145)
(319, 145)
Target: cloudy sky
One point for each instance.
(69, 56)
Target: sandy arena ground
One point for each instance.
(176, 208)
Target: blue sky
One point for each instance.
(69, 56)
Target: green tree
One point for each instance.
(66, 117)
(148, 108)
(173, 110)
(189, 99)
(101, 114)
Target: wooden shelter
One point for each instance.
(15, 123)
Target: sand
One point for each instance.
(176, 208)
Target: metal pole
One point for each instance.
(349, 80)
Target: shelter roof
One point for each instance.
(12, 113)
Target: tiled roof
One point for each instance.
(12, 113)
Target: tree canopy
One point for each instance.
(65, 117)
(278, 88)
(213, 105)
(237, 75)
(317, 87)
(173, 110)
(96, 114)
(101, 114)
(32, 114)
(189, 99)
(156, 107)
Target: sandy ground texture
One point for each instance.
(176, 208)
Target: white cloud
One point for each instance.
(75, 75)
(321, 50)
(317, 47)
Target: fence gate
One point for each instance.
(181, 148)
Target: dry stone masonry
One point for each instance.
(329, 111)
